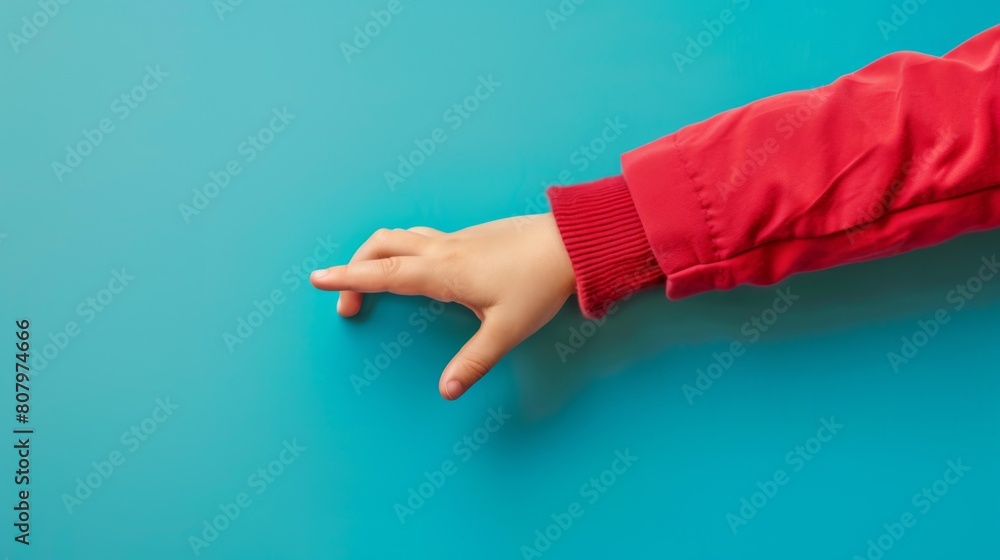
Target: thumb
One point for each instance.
(493, 339)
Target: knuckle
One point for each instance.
(450, 290)
(381, 234)
(448, 251)
(390, 266)
(448, 256)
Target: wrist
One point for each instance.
(606, 243)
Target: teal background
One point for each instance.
(323, 177)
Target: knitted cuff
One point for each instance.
(606, 242)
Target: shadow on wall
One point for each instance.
(549, 369)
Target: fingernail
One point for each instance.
(318, 274)
(454, 389)
(340, 305)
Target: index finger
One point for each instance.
(398, 275)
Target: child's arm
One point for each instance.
(902, 154)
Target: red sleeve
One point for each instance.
(902, 154)
(610, 253)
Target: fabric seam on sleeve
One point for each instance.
(698, 188)
(976, 193)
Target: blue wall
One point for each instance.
(141, 227)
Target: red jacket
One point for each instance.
(902, 154)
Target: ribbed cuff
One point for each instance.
(606, 242)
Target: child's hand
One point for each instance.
(514, 274)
